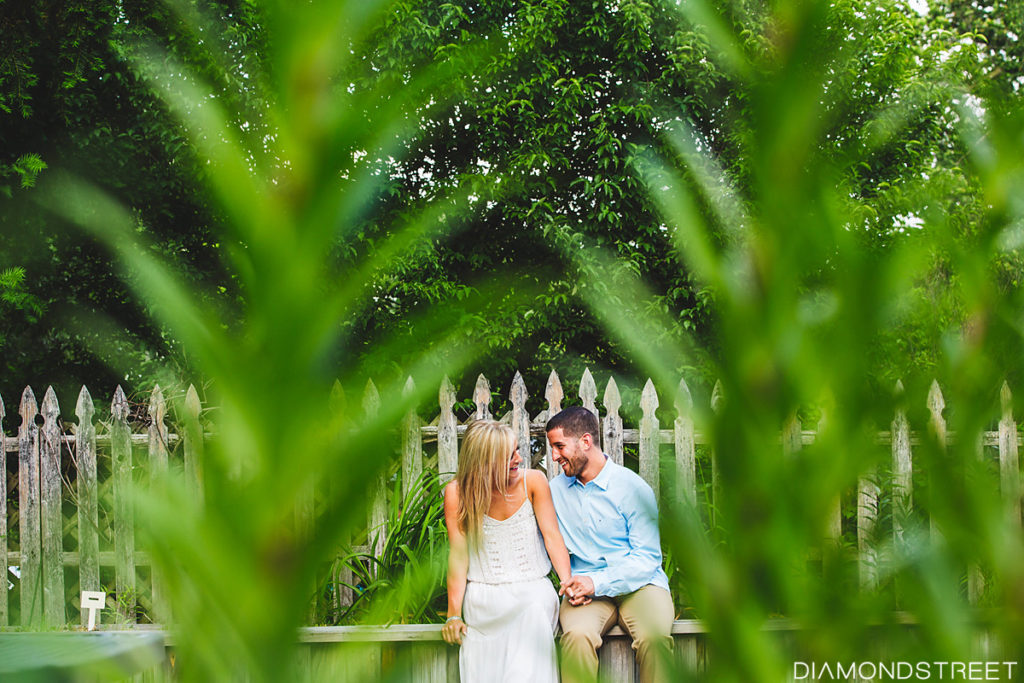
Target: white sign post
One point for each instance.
(93, 601)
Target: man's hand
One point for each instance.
(579, 589)
(453, 631)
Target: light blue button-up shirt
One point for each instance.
(610, 526)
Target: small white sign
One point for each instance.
(93, 601)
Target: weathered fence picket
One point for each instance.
(30, 565)
(685, 446)
(124, 516)
(521, 419)
(650, 438)
(553, 395)
(50, 441)
(937, 429)
(377, 527)
(482, 399)
(447, 433)
(612, 432)
(412, 443)
(158, 466)
(588, 394)
(1009, 465)
(192, 443)
(902, 471)
(717, 404)
(88, 499)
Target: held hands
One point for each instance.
(579, 589)
(453, 631)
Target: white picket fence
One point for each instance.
(42, 444)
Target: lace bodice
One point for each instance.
(511, 550)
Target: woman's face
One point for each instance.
(514, 461)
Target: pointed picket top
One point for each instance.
(50, 408)
(518, 394)
(84, 408)
(611, 430)
(446, 395)
(1005, 400)
(521, 419)
(337, 402)
(192, 404)
(717, 397)
(685, 446)
(936, 403)
(3, 413)
(899, 392)
(119, 406)
(553, 393)
(447, 434)
(410, 387)
(588, 391)
(612, 397)
(371, 399)
(157, 406)
(649, 398)
(649, 437)
(482, 398)
(683, 399)
(28, 409)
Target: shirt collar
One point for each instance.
(603, 477)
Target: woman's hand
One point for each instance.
(453, 631)
(579, 589)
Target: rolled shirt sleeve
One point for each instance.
(610, 527)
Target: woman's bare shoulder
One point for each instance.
(535, 481)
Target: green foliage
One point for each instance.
(406, 584)
(25, 170)
(239, 560)
(819, 267)
(994, 29)
(68, 99)
(17, 305)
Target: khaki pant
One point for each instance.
(646, 615)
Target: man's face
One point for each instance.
(566, 452)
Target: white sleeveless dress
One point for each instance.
(510, 607)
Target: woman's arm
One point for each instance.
(544, 510)
(458, 564)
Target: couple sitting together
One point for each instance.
(597, 524)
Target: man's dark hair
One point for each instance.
(575, 421)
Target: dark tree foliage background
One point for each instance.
(68, 99)
(575, 94)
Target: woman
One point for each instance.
(502, 608)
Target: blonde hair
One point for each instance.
(483, 469)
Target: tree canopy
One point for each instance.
(571, 99)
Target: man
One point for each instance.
(609, 520)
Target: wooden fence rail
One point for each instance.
(45, 450)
